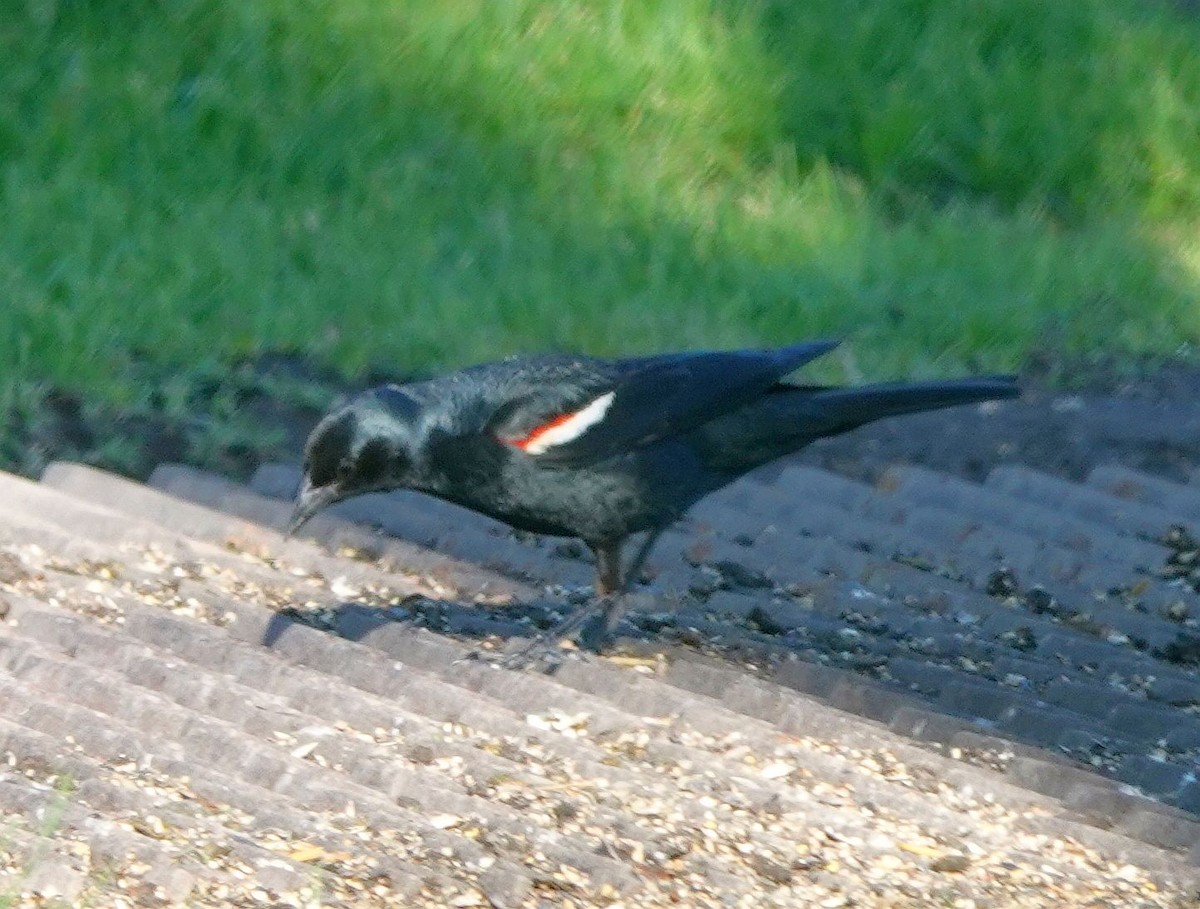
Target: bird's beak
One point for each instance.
(309, 501)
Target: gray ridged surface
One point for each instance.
(866, 626)
(905, 584)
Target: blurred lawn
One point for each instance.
(406, 184)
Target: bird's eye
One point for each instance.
(327, 456)
(321, 471)
(371, 464)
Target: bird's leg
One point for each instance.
(608, 568)
(639, 558)
(612, 587)
(599, 618)
(608, 579)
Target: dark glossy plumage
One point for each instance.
(597, 449)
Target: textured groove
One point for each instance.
(817, 672)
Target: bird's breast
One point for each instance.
(609, 500)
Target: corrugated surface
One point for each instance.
(844, 695)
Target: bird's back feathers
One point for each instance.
(632, 403)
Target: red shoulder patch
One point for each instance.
(564, 427)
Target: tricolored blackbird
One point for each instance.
(596, 449)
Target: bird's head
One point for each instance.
(365, 445)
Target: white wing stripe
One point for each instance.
(561, 432)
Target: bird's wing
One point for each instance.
(636, 402)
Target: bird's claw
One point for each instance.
(592, 623)
(539, 652)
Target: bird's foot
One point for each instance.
(535, 653)
(471, 656)
(594, 623)
(541, 653)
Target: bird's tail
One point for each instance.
(834, 410)
(790, 417)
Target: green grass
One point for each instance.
(413, 185)
(48, 825)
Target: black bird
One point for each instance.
(596, 449)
